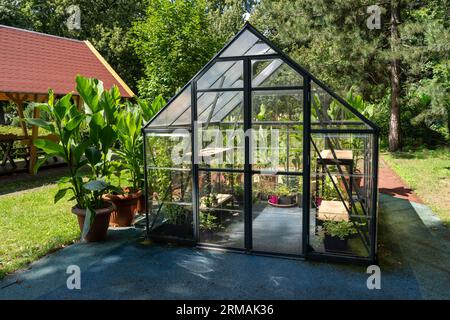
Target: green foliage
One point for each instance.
(149, 110)
(130, 151)
(284, 191)
(332, 40)
(341, 229)
(173, 42)
(208, 222)
(65, 122)
(329, 191)
(225, 17)
(176, 214)
(23, 202)
(426, 171)
(10, 130)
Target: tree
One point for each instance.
(392, 67)
(173, 42)
(331, 39)
(394, 124)
(226, 17)
(425, 52)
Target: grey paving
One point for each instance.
(414, 264)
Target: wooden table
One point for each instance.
(331, 210)
(6, 144)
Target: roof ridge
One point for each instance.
(40, 33)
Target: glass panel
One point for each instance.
(170, 203)
(169, 181)
(277, 148)
(222, 74)
(341, 193)
(328, 113)
(221, 142)
(277, 106)
(270, 73)
(247, 44)
(180, 106)
(169, 150)
(218, 106)
(277, 214)
(221, 217)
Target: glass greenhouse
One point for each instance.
(256, 155)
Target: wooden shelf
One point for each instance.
(333, 210)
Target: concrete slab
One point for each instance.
(414, 265)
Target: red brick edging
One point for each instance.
(390, 183)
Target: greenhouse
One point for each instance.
(256, 155)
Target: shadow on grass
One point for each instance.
(26, 181)
(399, 191)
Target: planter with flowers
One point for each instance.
(283, 197)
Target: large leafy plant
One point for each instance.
(131, 152)
(84, 142)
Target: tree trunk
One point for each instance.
(394, 125)
(448, 119)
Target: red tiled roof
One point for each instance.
(32, 62)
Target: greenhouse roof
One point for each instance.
(223, 76)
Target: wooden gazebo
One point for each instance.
(32, 62)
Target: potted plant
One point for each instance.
(130, 155)
(148, 110)
(208, 224)
(286, 196)
(177, 221)
(337, 234)
(81, 151)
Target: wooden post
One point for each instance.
(34, 136)
(79, 103)
(18, 101)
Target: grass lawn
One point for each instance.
(427, 172)
(31, 225)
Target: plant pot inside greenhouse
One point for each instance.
(335, 243)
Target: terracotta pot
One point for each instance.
(127, 207)
(99, 227)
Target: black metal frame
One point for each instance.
(249, 172)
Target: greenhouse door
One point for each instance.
(251, 122)
(276, 112)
